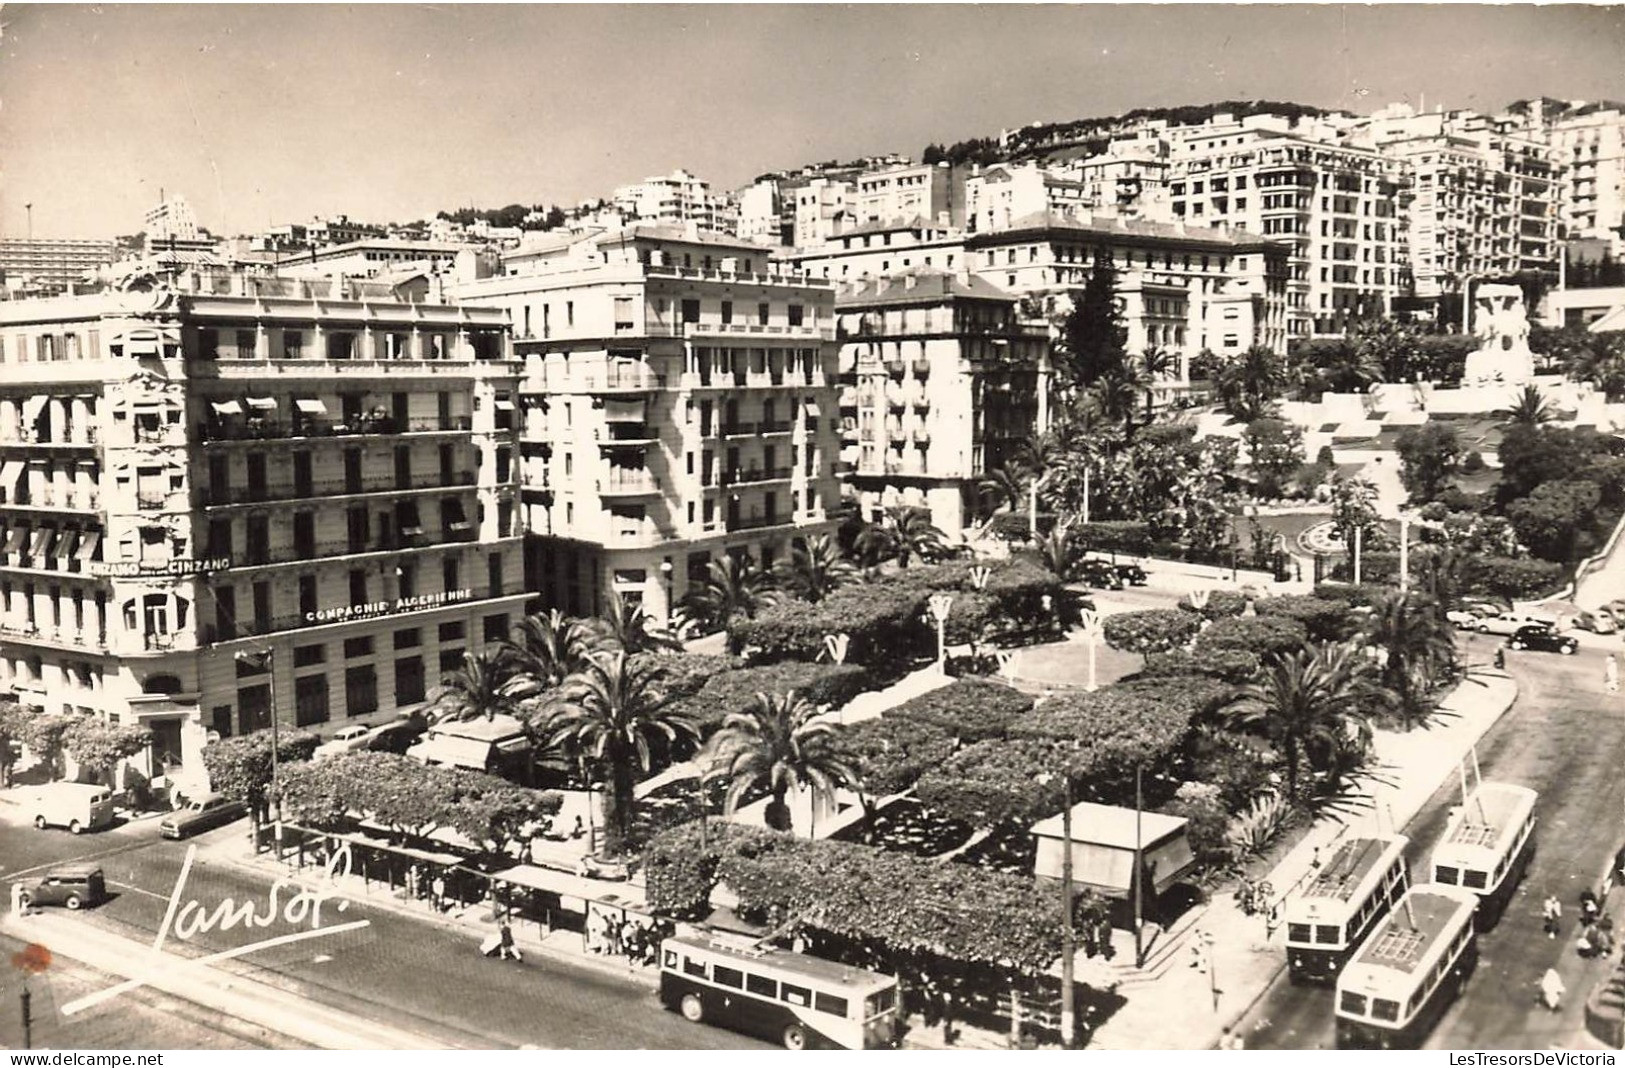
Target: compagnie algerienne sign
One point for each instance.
(386, 608)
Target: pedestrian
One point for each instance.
(1610, 674)
(1552, 989)
(507, 949)
(1552, 913)
(1588, 906)
(437, 892)
(579, 829)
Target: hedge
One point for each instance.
(1513, 579)
(1326, 621)
(1118, 535)
(901, 903)
(686, 673)
(883, 623)
(1220, 603)
(1236, 666)
(967, 709)
(891, 752)
(735, 690)
(1151, 630)
(996, 782)
(1252, 634)
(1364, 595)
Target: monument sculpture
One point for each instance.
(1502, 325)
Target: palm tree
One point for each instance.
(1305, 705)
(1003, 488)
(1416, 644)
(905, 531)
(547, 647)
(1154, 365)
(485, 686)
(625, 625)
(780, 742)
(1249, 386)
(1530, 409)
(614, 713)
(1061, 551)
(816, 569)
(733, 586)
(1117, 392)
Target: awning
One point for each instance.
(310, 406)
(262, 404)
(88, 544)
(811, 407)
(230, 407)
(10, 472)
(15, 538)
(41, 543)
(32, 406)
(504, 405)
(147, 405)
(452, 514)
(64, 544)
(406, 517)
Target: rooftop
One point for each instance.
(917, 285)
(816, 968)
(1114, 226)
(1402, 940)
(1342, 875)
(676, 232)
(1488, 813)
(1111, 826)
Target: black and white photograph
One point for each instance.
(890, 526)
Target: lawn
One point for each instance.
(1066, 664)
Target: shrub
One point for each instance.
(883, 621)
(686, 673)
(1473, 463)
(970, 709)
(1151, 630)
(1207, 822)
(735, 691)
(1230, 762)
(1123, 536)
(1375, 566)
(891, 752)
(1326, 621)
(1236, 666)
(1513, 579)
(1251, 832)
(1220, 603)
(1261, 635)
(1362, 596)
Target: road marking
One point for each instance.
(126, 848)
(137, 889)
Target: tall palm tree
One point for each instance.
(1530, 409)
(815, 569)
(548, 646)
(484, 687)
(904, 532)
(1117, 392)
(1416, 644)
(780, 742)
(1154, 364)
(733, 586)
(1249, 386)
(1004, 488)
(615, 713)
(1304, 704)
(625, 625)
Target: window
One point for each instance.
(310, 700)
(450, 660)
(796, 995)
(409, 683)
(360, 690)
(357, 647)
(1298, 932)
(794, 312)
(829, 1003)
(1352, 1003)
(691, 311)
(452, 632)
(761, 313)
(725, 976)
(495, 627)
(693, 967)
(307, 595)
(449, 573)
(1447, 876)
(306, 655)
(1384, 1009)
(623, 315)
(727, 311)
(407, 580)
(358, 587)
(1476, 880)
(756, 984)
(1328, 935)
(408, 638)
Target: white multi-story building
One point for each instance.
(678, 197)
(824, 207)
(1588, 147)
(933, 192)
(998, 195)
(880, 248)
(1341, 210)
(231, 464)
(173, 220)
(763, 214)
(679, 404)
(51, 264)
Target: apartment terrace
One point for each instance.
(334, 549)
(299, 368)
(237, 496)
(274, 430)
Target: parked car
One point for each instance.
(202, 814)
(1598, 622)
(73, 886)
(397, 737)
(1508, 623)
(1542, 639)
(1131, 574)
(345, 740)
(78, 806)
(1101, 575)
(1463, 619)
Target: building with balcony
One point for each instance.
(1049, 257)
(997, 196)
(1588, 148)
(823, 207)
(678, 197)
(228, 464)
(47, 265)
(877, 249)
(678, 403)
(1341, 211)
(932, 191)
(940, 382)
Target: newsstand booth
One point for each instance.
(1105, 843)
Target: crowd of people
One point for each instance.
(634, 938)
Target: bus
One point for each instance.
(802, 1001)
(1347, 897)
(1402, 978)
(1487, 846)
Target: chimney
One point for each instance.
(908, 282)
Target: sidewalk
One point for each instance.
(1175, 1006)
(231, 994)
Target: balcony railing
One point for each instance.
(341, 547)
(734, 430)
(29, 440)
(628, 485)
(609, 380)
(303, 368)
(331, 487)
(273, 430)
(756, 522)
(776, 426)
(151, 502)
(52, 498)
(922, 436)
(922, 366)
(71, 636)
(896, 367)
(743, 476)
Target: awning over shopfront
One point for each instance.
(230, 407)
(15, 537)
(310, 406)
(40, 545)
(88, 544)
(262, 404)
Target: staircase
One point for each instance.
(1166, 948)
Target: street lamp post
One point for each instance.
(1069, 946)
(938, 606)
(1358, 531)
(1091, 635)
(1139, 872)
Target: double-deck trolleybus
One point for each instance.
(802, 1001)
(1348, 896)
(1403, 977)
(1487, 846)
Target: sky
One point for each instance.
(264, 115)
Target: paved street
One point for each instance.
(1560, 739)
(399, 971)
